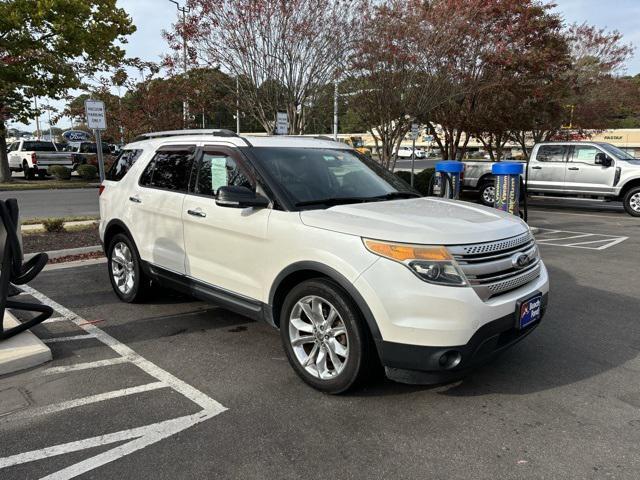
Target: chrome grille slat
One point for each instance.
(488, 266)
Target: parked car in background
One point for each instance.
(319, 241)
(86, 152)
(570, 169)
(35, 157)
(406, 152)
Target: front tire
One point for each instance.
(127, 278)
(631, 202)
(487, 193)
(325, 338)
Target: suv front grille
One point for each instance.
(491, 269)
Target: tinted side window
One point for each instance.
(585, 154)
(169, 169)
(122, 164)
(13, 147)
(38, 147)
(218, 170)
(551, 153)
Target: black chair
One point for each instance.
(14, 272)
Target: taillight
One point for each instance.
(100, 189)
(34, 159)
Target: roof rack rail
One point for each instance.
(176, 133)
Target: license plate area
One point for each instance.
(528, 311)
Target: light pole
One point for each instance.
(185, 103)
(335, 110)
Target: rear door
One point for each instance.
(155, 206)
(547, 168)
(584, 176)
(224, 246)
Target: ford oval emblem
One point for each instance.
(520, 260)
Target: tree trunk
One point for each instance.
(5, 173)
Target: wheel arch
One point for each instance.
(301, 271)
(628, 185)
(114, 227)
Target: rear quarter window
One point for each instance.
(122, 164)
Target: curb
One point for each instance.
(68, 251)
(21, 351)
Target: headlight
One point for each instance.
(433, 264)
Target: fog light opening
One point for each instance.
(450, 359)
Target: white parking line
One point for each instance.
(66, 339)
(84, 366)
(101, 397)
(140, 437)
(592, 241)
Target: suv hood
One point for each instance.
(421, 220)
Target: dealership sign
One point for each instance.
(76, 136)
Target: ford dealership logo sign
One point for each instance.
(76, 136)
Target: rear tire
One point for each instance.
(28, 172)
(487, 193)
(631, 202)
(127, 278)
(331, 349)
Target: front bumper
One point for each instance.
(417, 364)
(418, 322)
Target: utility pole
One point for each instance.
(185, 104)
(35, 104)
(335, 110)
(237, 105)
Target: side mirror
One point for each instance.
(240, 197)
(603, 159)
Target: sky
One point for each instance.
(152, 16)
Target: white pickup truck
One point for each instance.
(34, 157)
(570, 169)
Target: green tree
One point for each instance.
(47, 47)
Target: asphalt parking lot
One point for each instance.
(176, 388)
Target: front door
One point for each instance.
(155, 207)
(584, 176)
(224, 246)
(547, 169)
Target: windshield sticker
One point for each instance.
(218, 172)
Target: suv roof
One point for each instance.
(229, 138)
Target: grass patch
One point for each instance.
(52, 184)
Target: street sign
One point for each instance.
(97, 120)
(96, 114)
(282, 123)
(415, 130)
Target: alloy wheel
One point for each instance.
(634, 202)
(318, 337)
(122, 268)
(489, 194)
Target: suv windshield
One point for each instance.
(617, 152)
(321, 177)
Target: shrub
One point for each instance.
(53, 224)
(60, 172)
(87, 172)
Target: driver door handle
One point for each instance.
(197, 213)
(573, 168)
(135, 199)
(536, 168)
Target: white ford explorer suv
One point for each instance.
(351, 265)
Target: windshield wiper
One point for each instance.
(394, 195)
(336, 201)
(344, 200)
